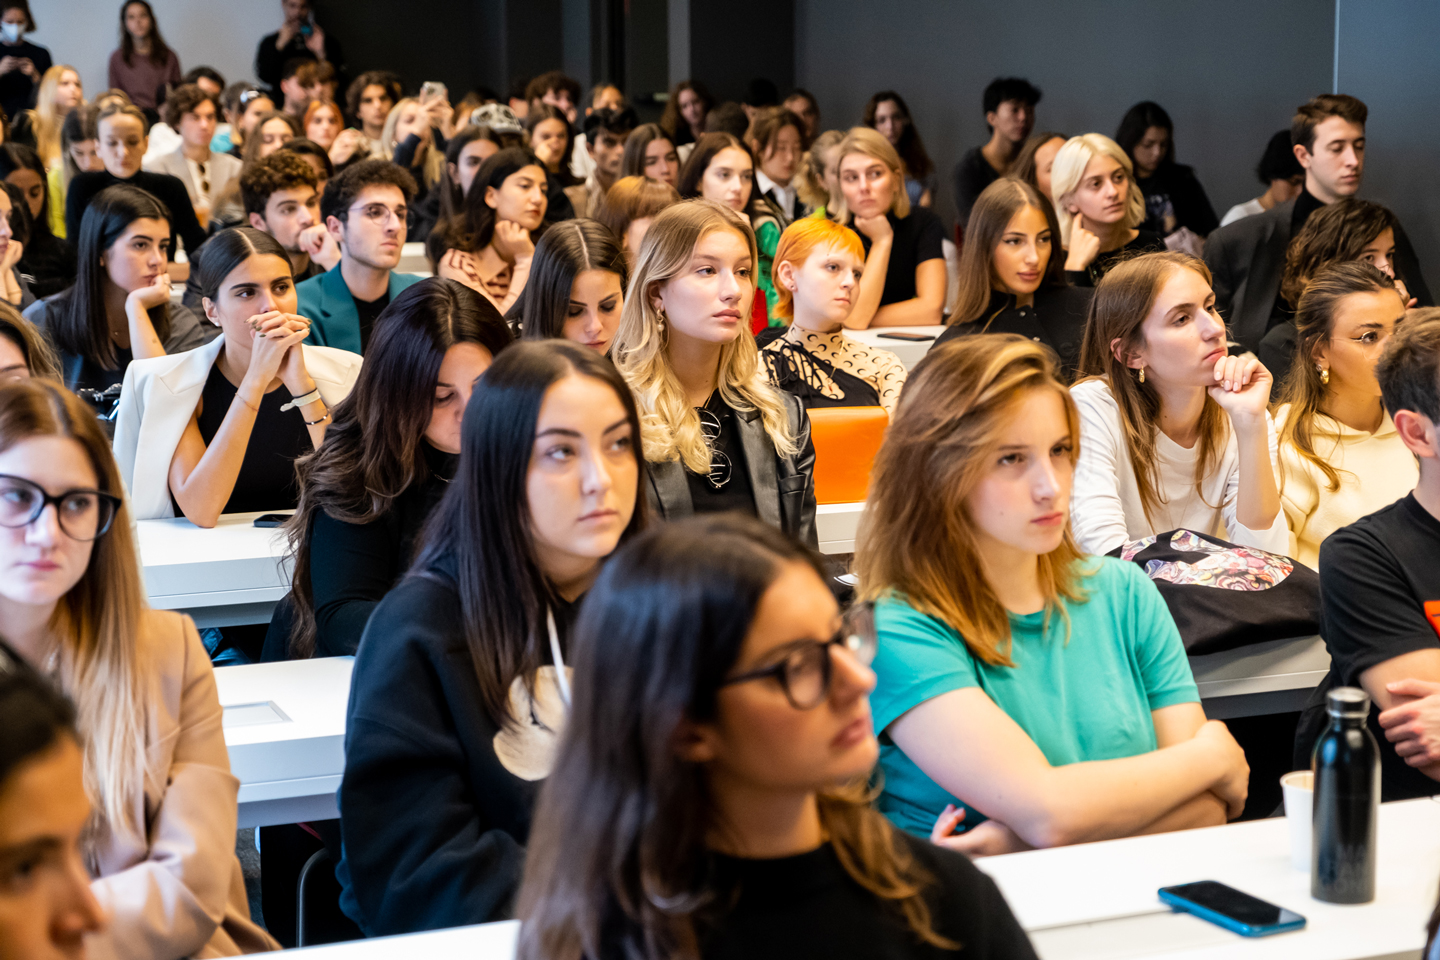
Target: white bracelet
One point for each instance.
(302, 401)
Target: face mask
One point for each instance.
(11, 32)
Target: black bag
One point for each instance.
(1224, 596)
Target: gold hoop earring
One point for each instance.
(1142, 374)
(1324, 376)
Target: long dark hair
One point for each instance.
(452, 200)
(705, 150)
(911, 148)
(482, 525)
(473, 229)
(1023, 166)
(632, 162)
(373, 449)
(1138, 119)
(992, 212)
(617, 862)
(227, 250)
(83, 329)
(18, 156)
(159, 52)
(538, 114)
(671, 121)
(567, 250)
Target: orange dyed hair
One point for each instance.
(797, 243)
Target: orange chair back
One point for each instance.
(846, 441)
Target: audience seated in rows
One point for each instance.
(576, 289)
(631, 206)
(208, 177)
(1174, 198)
(1009, 104)
(1098, 206)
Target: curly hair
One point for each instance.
(1337, 231)
(282, 170)
(182, 100)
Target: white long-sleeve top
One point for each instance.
(1105, 508)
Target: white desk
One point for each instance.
(836, 525)
(285, 730)
(413, 260)
(1275, 677)
(1098, 900)
(909, 351)
(232, 574)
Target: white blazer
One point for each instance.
(158, 398)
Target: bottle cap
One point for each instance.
(1348, 702)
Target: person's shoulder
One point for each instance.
(895, 614)
(1104, 574)
(1065, 296)
(419, 620)
(924, 217)
(1095, 393)
(957, 880)
(1371, 535)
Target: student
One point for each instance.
(471, 146)
(1378, 584)
(162, 845)
(685, 109)
(576, 289)
(717, 435)
(412, 142)
(314, 156)
(270, 133)
(388, 457)
(1098, 206)
(1011, 279)
(489, 247)
(710, 649)
(1174, 197)
(605, 134)
(817, 274)
(208, 176)
(46, 904)
(121, 130)
(22, 63)
(60, 92)
(1035, 161)
(15, 224)
(298, 37)
(243, 104)
(1340, 455)
(603, 96)
(1281, 175)
(1174, 433)
(887, 113)
(318, 80)
(294, 99)
(548, 135)
(143, 65)
(777, 140)
(323, 123)
(630, 206)
(904, 279)
(24, 351)
(46, 259)
(119, 307)
(210, 431)
(369, 101)
(79, 147)
(556, 89)
(461, 681)
(364, 209)
(803, 104)
(1017, 679)
(818, 181)
(649, 153)
(1247, 258)
(1009, 104)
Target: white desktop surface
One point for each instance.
(232, 573)
(1098, 900)
(483, 941)
(909, 351)
(836, 525)
(413, 260)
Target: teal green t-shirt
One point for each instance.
(1086, 699)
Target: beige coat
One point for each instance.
(182, 895)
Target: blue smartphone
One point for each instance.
(1230, 908)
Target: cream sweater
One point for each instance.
(1376, 469)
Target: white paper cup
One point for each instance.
(1299, 790)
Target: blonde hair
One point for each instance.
(872, 143)
(957, 402)
(1069, 170)
(434, 165)
(45, 122)
(810, 178)
(669, 425)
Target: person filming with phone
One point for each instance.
(299, 38)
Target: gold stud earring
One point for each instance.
(1324, 376)
(1142, 374)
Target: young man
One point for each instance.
(364, 210)
(299, 36)
(1380, 585)
(556, 89)
(292, 87)
(605, 134)
(369, 101)
(191, 112)
(777, 139)
(603, 96)
(1247, 258)
(1009, 104)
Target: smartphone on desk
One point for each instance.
(909, 337)
(1232, 909)
(271, 519)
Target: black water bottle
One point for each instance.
(1346, 764)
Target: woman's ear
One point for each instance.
(1132, 360)
(652, 294)
(1320, 356)
(492, 198)
(210, 310)
(694, 742)
(785, 273)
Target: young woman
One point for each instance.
(887, 113)
(630, 206)
(269, 134)
(718, 689)
(119, 307)
(1174, 433)
(471, 146)
(162, 844)
(549, 136)
(1017, 679)
(143, 66)
(414, 146)
(461, 683)
(1036, 159)
(577, 286)
(47, 260)
(718, 436)
(243, 105)
(1340, 457)
(817, 272)
(684, 118)
(1010, 275)
(322, 123)
(1174, 197)
(776, 138)
(211, 431)
(79, 153)
(489, 247)
(60, 93)
(46, 904)
(388, 456)
(1099, 206)
(15, 225)
(818, 180)
(904, 279)
(22, 63)
(649, 153)
(24, 351)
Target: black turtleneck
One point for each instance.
(1305, 204)
(353, 565)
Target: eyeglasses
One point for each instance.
(83, 514)
(719, 462)
(379, 214)
(805, 672)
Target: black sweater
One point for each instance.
(1056, 319)
(1174, 198)
(165, 188)
(1144, 242)
(436, 800)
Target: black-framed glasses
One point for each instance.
(82, 514)
(804, 673)
(719, 461)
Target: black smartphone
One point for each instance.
(1232, 909)
(911, 337)
(271, 519)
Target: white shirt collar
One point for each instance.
(785, 195)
